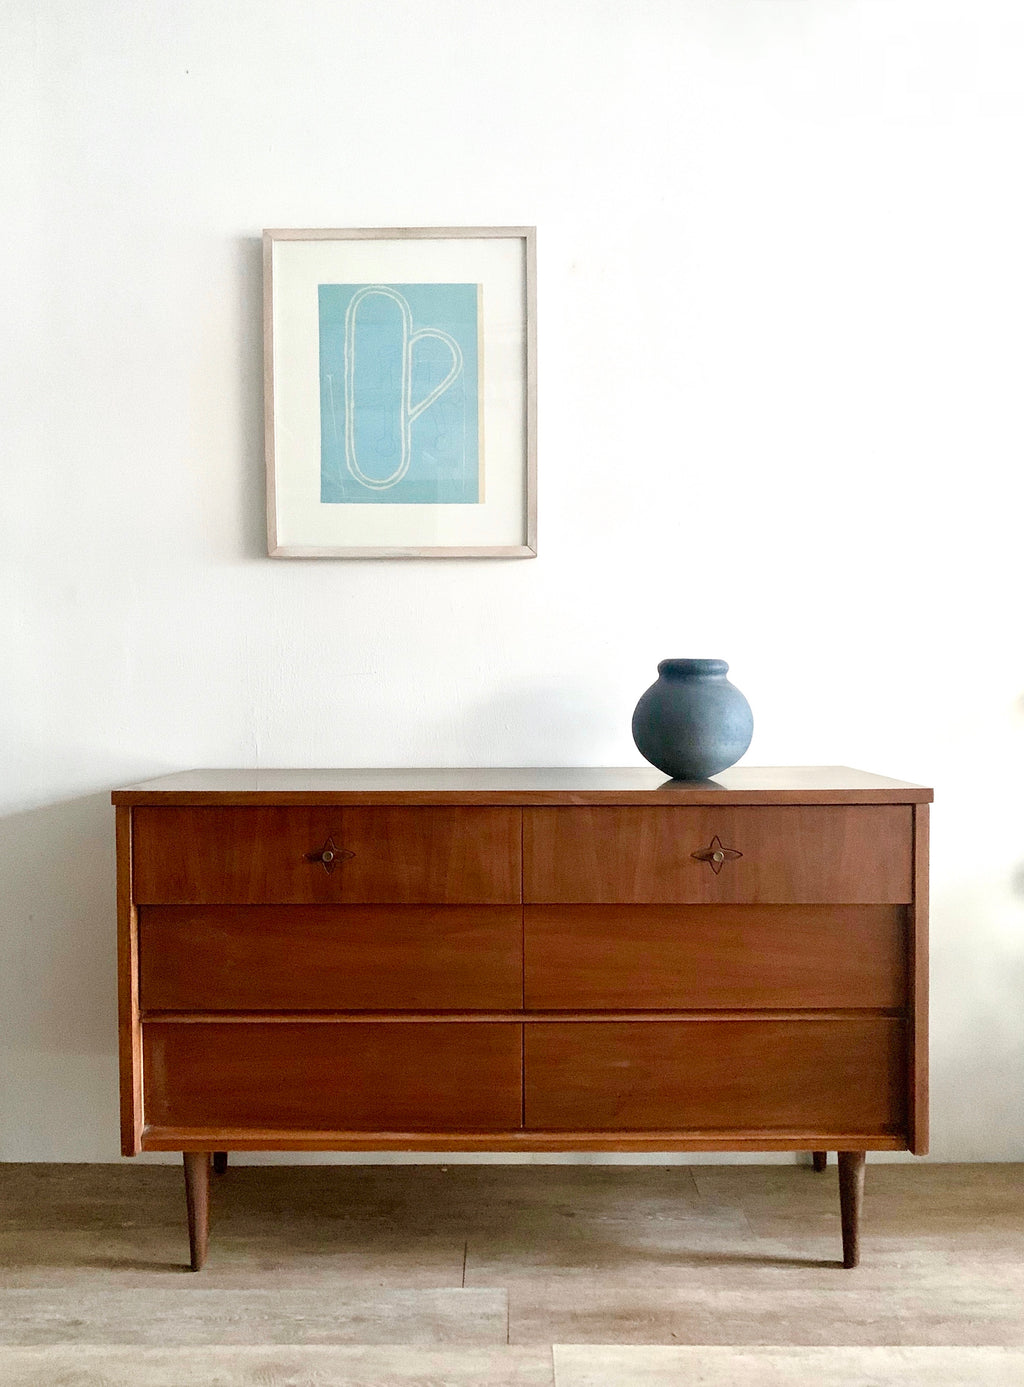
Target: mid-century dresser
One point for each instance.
(523, 960)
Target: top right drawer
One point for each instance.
(767, 855)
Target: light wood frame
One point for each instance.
(527, 547)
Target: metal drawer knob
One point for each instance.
(329, 855)
(715, 854)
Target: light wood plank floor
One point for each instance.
(578, 1276)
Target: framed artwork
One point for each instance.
(400, 392)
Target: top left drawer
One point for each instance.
(403, 856)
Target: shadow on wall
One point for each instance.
(560, 723)
(58, 1038)
(249, 266)
(977, 1024)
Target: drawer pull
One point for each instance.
(329, 855)
(715, 855)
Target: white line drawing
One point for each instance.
(409, 411)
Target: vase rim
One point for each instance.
(705, 667)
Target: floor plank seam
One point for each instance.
(356, 1257)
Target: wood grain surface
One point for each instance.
(187, 856)
(522, 785)
(373, 1259)
(323, 958)
(128, 1023)
(366, 1313)
(653, 1142)
(851, 1200)
(847, 855)
(917, 1054)
(197, 1200)
(374, 1076)
(678, 956)
(484, 944)
(811, 1076)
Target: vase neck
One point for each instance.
(693, 669)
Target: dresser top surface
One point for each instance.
(642, 785)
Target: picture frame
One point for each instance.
(400, 392)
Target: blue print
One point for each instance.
(399, 393)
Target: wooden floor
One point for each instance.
(538, 1276)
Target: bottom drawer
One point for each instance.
(842, 1076)
(354, 1076)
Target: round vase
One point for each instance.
(692, 723)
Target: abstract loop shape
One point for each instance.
(408, 410)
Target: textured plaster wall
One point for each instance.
(781, 292)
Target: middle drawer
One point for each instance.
(330, 958)
(683, 957)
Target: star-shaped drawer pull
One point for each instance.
(715, 855)
(329, 855)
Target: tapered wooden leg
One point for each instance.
(820, 1159)
(220, 1162)
(851, 1197)
(197, 1198)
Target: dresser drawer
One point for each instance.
(227, 856)
(820, 1077)
(686, 957)
(774, 855)
(330, 958)
(341, 1076)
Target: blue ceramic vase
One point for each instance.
(692, 723)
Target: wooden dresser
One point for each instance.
(523, 960)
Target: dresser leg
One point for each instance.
(220, 1162)
(820, 1159)
(197, 1198)
(851, 1197)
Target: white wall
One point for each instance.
(781, 291)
